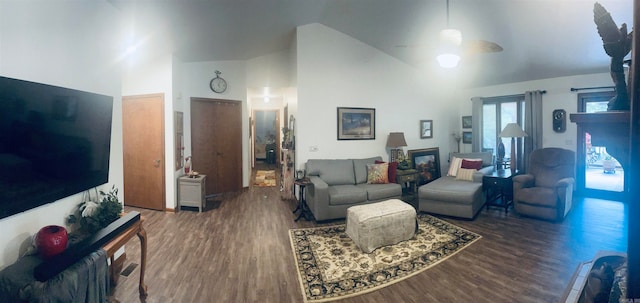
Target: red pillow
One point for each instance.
(471, 164)
(393, 167)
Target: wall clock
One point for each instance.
(218, 84)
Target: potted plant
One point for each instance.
(95, 215)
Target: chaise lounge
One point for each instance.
(459, 194)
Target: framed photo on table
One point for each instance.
(427, 162)
(426, 129)
(356, 123)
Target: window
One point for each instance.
(497, 112)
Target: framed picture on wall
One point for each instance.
(426, 129)
(466, 121)
(356, 123)
(427, 162)
(466, 137)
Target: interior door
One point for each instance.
(143, 151)
(216, 143)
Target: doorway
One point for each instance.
(599, 174)
(266, 138)
(216, 143)
(143, 151)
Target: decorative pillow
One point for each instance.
(472, 163)
(455, 165)
(393, 168)
(378, 173)
(465, 174)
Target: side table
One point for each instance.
(498, 188)
(191, 191)
(302, 202)
(408, 178)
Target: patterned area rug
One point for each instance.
(265, 178)
(331, 267)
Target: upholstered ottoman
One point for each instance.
(378, 224)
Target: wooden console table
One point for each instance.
(116, 243)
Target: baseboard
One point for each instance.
(169, 210)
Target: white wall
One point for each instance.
(335, 70)
(270, 70)
(558, 96)
(69, 44)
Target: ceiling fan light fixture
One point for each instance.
(451, 36)
(448, 60)
(450, 41)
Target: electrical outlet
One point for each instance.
(313, 148)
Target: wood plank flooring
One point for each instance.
(238, 250)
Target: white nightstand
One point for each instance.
(191, 191)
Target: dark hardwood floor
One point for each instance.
(238, 250)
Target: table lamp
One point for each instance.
(513, 131)
(396, 142)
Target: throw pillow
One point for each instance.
(465, 174)
(472, 163)
(393, 168)
(454, 166)
(378, 173)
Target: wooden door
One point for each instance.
(143, 151)
(216, 143)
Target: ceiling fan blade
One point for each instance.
(482, 46)
(411, 45)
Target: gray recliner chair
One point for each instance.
(546, 191)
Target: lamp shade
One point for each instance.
(512, 130)
(396, 140)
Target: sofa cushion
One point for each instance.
(333, 172)
(450, 190)
(359, 167)
(465, 174)
(393, 169)
(455, 165)
(378, 173)
(346, 194)
(381, 191)
(472, 163)
(487, 157)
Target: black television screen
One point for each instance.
(54, 142)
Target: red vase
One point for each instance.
(51, 240)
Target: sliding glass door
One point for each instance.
(598, 173)
(496, 114)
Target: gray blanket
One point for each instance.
(85, 281)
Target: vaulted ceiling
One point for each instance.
(541, 38)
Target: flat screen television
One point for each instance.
(54, 142)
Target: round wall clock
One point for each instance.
(218, 84)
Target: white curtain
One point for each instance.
(476, 124)
(532, 125)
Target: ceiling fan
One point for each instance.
(451, 46)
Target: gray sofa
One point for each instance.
(341, 183)
(458, 198)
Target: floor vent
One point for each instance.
(127, 271)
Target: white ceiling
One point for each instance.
(541, 38)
